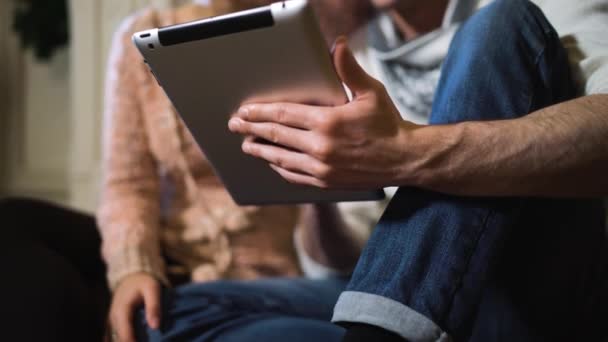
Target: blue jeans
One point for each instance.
(235, 311)
(441, 267)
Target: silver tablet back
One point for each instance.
(209, 68)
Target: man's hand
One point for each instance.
(360, 145)
(134, 290)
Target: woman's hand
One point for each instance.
(132, 291)
(361, 145)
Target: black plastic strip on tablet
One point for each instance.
(213, 27)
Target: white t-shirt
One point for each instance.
(581, 24)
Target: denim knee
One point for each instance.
(505, 27)
(519, 29)
(507, 50)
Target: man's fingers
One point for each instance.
(286, 159)
(122, 323)
(294, 138)
(288, 114)
(152, 306)
(298, 178)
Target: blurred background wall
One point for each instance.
(51, 111)
(34, 117)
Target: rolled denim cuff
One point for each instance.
(360, 307)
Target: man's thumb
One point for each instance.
(349, 71)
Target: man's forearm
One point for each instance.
(559, 151)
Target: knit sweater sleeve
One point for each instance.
(129, 212)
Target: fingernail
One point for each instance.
(333, 47)
(153, 322)
(234, 124)
(243, 112)
(246, 147)
(339, 40)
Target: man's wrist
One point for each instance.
(428, 154)
(412, 144)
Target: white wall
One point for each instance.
(4, 94)
(50, 113)
(35, 112)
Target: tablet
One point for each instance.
(209, 68)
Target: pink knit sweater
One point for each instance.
(161, 200)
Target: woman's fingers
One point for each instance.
(121, 318)
(151, 294)
(133, 291)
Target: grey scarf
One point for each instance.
(411, 70)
